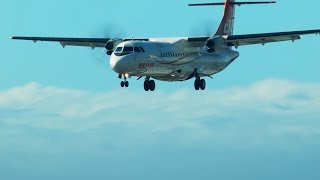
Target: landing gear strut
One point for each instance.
(149, 85)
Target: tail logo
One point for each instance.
(228, 27)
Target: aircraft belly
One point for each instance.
(206, 65)
(182, 72)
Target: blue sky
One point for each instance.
(64, 116)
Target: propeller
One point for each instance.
(203, 28)
(107, 30)
(206, 28)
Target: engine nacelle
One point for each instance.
(110, 45)
(216, 44)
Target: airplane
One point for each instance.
(178, 59)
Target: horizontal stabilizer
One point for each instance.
(233, 3)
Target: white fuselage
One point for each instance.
(168, 60)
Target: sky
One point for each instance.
(63, 114)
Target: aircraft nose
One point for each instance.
(118, 64)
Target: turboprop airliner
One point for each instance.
(178, 59)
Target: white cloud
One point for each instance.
(267, 110)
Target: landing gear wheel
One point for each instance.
(146, 85)
(152, 85)
(196, 84)
(149, 85)
(124, 84)
(202, 84)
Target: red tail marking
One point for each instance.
(226, 25)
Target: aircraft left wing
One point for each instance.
(250, 39)
(87, 42)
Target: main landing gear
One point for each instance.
(199, 84)
(149, 85)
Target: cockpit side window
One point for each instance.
(137, 49)
(142, 50)
(122, 51)
(119, 49)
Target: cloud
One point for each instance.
(270, 124)
(269, 110)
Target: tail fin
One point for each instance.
(227, 22)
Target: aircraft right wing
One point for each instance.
(87, 42)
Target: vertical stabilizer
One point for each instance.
(227, 22)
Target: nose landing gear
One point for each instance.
(123, 83)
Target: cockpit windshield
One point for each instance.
(128, 49)
(122, 51)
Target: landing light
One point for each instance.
(126, 75)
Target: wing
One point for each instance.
(232, 40)
(86, 42)
(249, 39)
